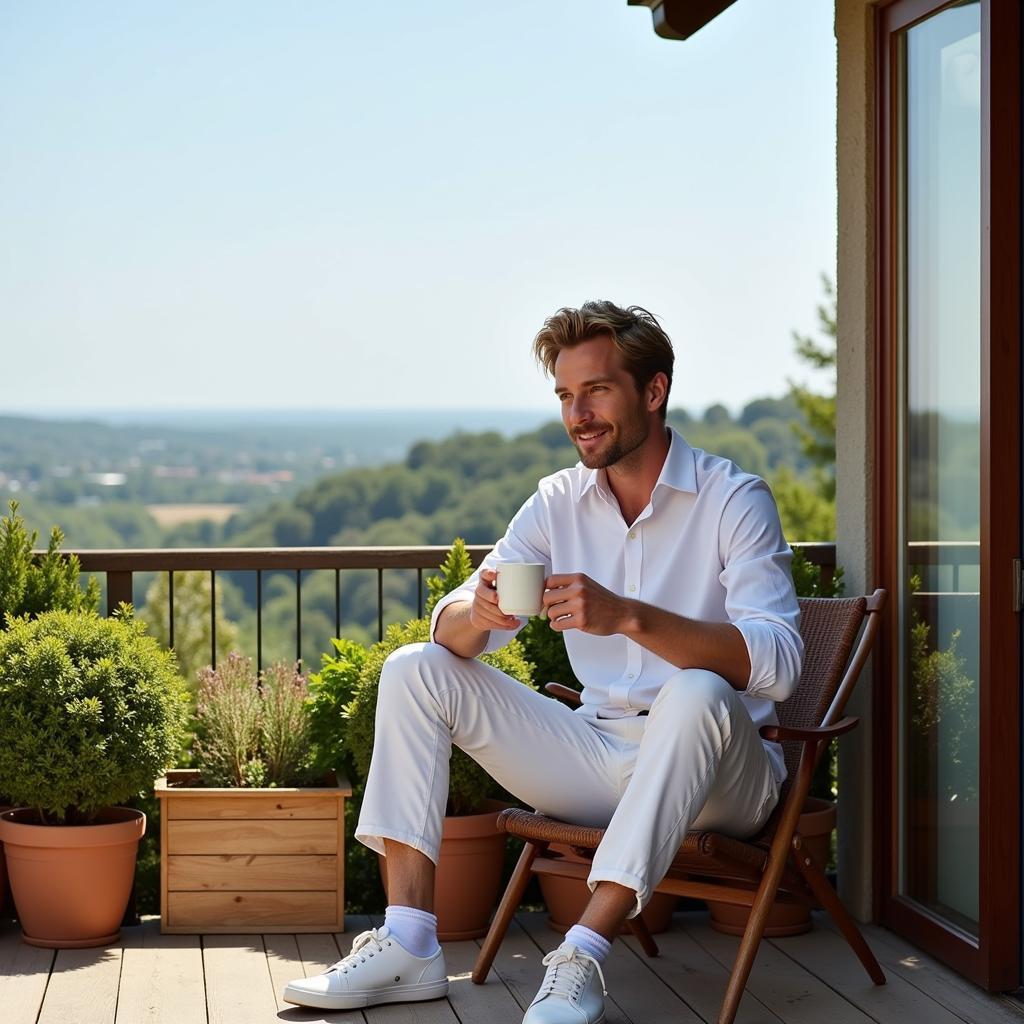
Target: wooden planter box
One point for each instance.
(251, 860)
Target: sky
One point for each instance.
(339, 205)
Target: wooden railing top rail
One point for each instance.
(420, 556)
(242, 559)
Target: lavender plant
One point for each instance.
(252, 730)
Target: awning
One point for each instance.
(679, 19)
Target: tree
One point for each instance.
(808, 510)
(192, 632)
(818, 436)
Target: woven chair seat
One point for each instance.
(700, 852)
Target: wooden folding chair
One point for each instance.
(753, 872)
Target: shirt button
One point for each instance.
(632, 588)
(631, 676)
(632, 534)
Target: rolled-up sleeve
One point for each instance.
(760, 598)
(525, 540)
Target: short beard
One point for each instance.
(621, 448)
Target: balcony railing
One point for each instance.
(119, 568)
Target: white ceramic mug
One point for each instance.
(520, 587)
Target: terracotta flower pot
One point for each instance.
(815, 827)
(71, 883)
(4, 910)
(468, 873)
(3, 882)
(566, 899)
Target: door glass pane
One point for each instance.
(940, 264)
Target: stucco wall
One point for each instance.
(855, 155)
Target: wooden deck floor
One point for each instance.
(237, 979)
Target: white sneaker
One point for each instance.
(572, 992)
(378, 970)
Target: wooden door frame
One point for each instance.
(993, 958)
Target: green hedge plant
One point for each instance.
(93, 710)
(30, 586)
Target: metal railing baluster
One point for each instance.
(170, 608)
(259, 621)
(298, 616)
(213, 617)
(337, 603)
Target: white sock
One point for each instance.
(589, 942)
(415, 930)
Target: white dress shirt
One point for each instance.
(708, 546)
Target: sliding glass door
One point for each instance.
(948, 515)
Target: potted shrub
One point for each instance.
(30, 585)
(93, 709)
(251, 838)
(472, 850)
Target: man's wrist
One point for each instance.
(454, 629)
(632, 619)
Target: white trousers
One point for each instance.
(695, 761)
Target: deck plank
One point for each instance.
(161, 977)
(434, 1011)
(284, 963)
(782, 984)
(491, 1002)
(967, 1001)
(641, 996)
(238, 984)
(83, 986)
(827, 954)
(697, 977)
(151, 978)
(300, 956)
(518, 964)
(24, 974)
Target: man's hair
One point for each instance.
(643, 344)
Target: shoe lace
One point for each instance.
(567, 972)
(364, 945)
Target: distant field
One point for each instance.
(175, 515)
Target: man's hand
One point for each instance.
(484, 613)
(575, 601)
(463, 626)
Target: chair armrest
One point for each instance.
(566, 693)
(817, 734)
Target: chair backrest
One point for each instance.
(829, 628)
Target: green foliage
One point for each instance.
(469, 784)
(817, 432)
(944, 711)
(94, 711)
(807, 578)
(455, 570)
(192, 628)
(330, 691)
(805, 509)
(29, 586)
(251, 730)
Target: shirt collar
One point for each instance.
(679, 470)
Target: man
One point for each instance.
(669, 577)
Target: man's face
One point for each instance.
(603, 412)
